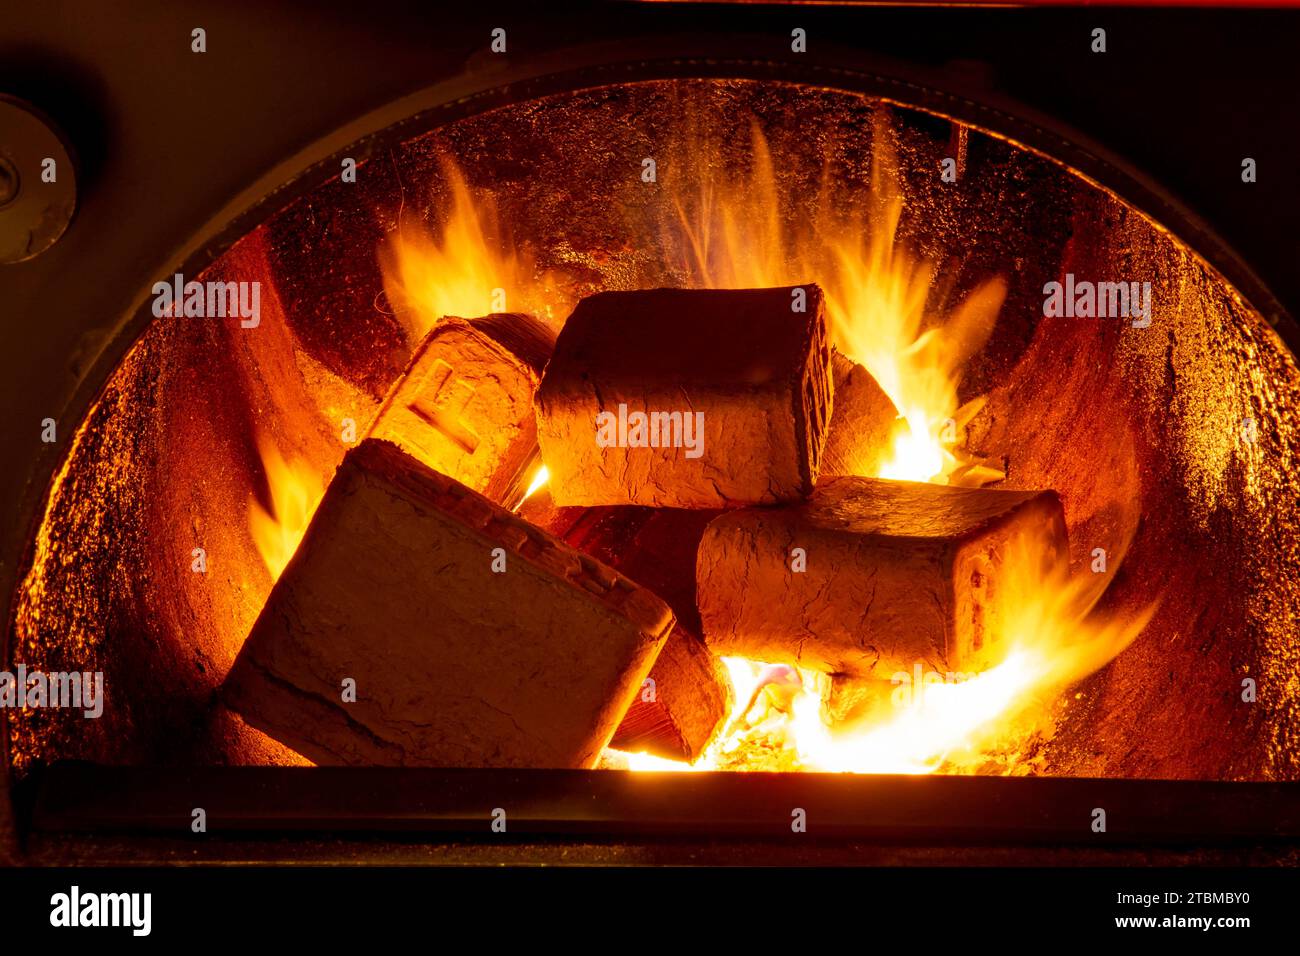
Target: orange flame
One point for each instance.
(1056, 638)
(876, 294)
(296, 488)
(469, 269)
(876, 298)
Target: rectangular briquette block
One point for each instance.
(895, 574)
(454, 663)
(691, 696)
(688, 702)
(464, 405)
(687, 398)
(690, 699)
(655, 547)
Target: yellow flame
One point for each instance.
(296, 488)
(469, 269)
(540, 478)
(735, 236)
(732, 232)
(1056, 637)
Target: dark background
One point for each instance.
(1184, 94)
(740, 910)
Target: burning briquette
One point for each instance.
(872, 577)
(464, 406)
(864, 424)
(687, 398)
(474, 639)
(677, 715)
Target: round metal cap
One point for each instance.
(38, 184)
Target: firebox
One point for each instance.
(672, 441)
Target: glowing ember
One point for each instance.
(296, 488)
